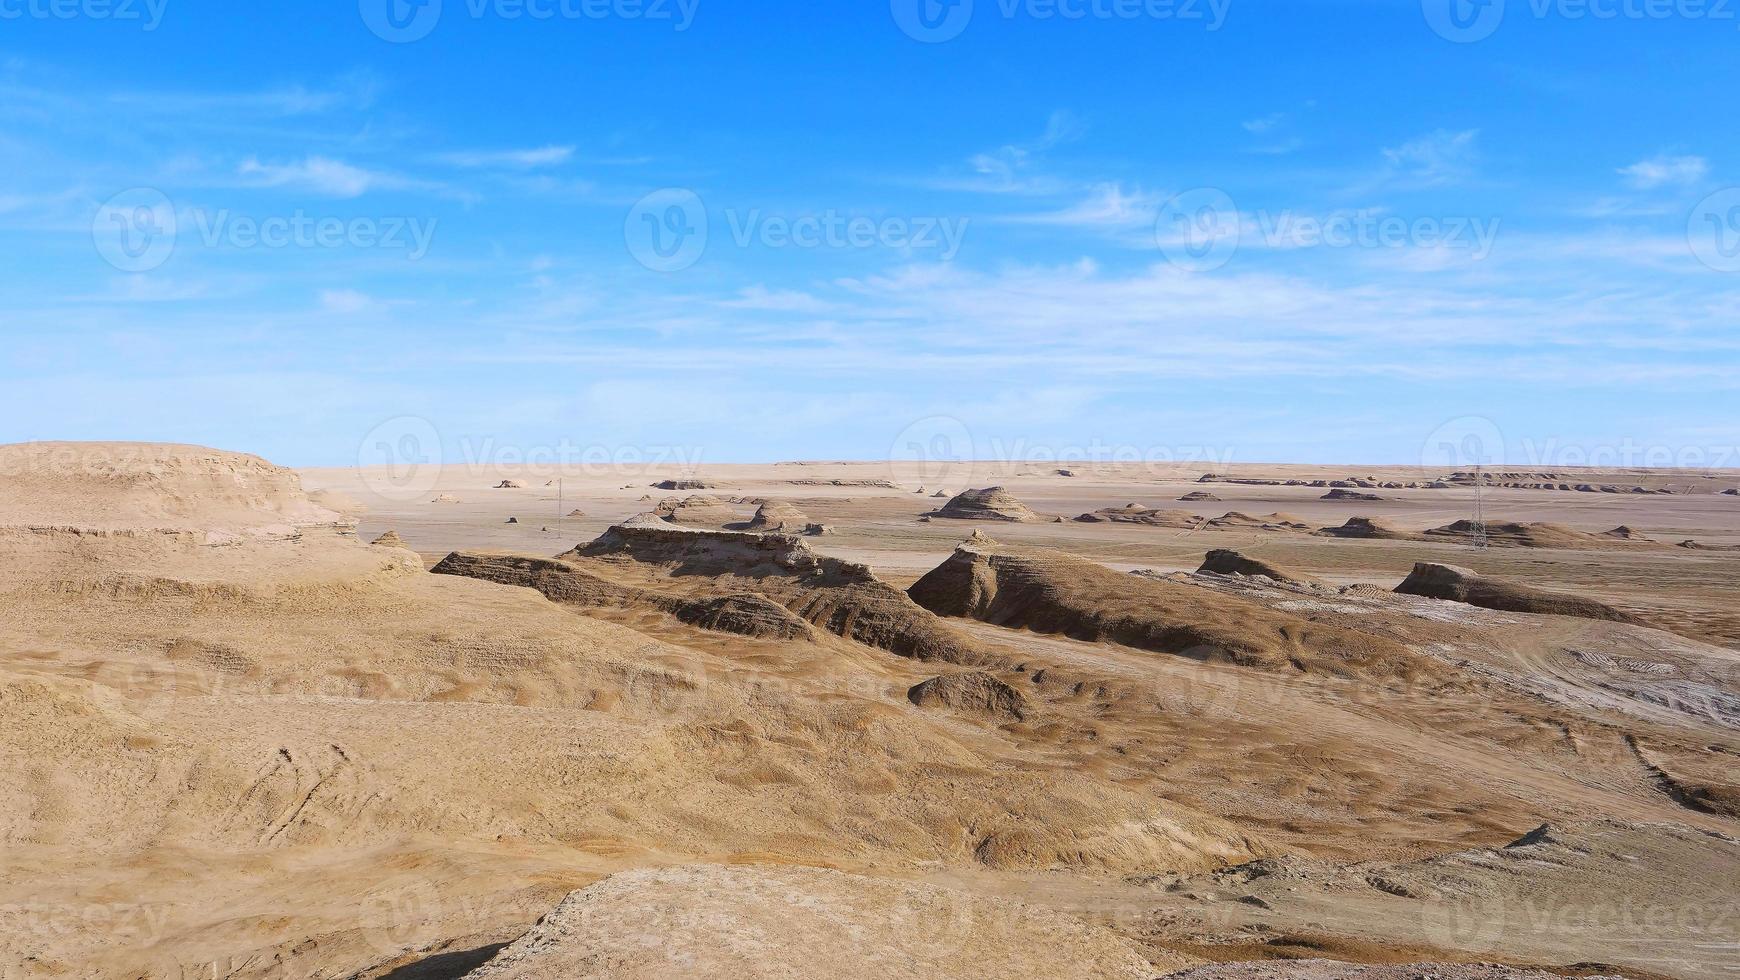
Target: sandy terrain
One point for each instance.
(240, 740)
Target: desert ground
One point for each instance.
(835, 719)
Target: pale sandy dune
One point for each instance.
(238, 739)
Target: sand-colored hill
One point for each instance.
(1267, 522)
(1369, 527)
(698, 510)
(1133, 513)
(989, 504)
(736, 923)
(1053, 592)
(1541, 534)
(1223, 561)
(1462, 585)
(145, 486)
(777, 515)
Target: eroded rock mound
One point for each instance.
(1369, 527)
(1053, 592)
(1340, 494)
(746, 614)
(710, 922)
(1223, 561)
(1199, 495)
(777, 515)
(1540, 534)
(844, 598)
(153, 486)
(1462, 585)
(1138, 514)
(973, 693)
(390, 539)
(685, 484)
(1316, 969)
(887, 484)
(1277, 521)
(697, 510)
(989, 504)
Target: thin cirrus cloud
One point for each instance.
(1012, 168)
(328, 177)
(524, 159)
(1108, 207)
(1663, 170)
(1263, 124)
(1438, 158)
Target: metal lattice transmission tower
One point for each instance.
(1478, 538)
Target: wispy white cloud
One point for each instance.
(1011, 168)
(347, 301)
(1264, 123)
(322, 175)
(293, 100)
(1439, 158)
(1659, 171)
(759, 297)
(1106, 208)
(526, 159)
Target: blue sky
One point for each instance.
(1313, 230)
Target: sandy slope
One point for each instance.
(238, 741)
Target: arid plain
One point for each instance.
(864, 720)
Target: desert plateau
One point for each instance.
(267, 723)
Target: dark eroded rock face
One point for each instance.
(974, 693)
(1368, 527)
(1053, 592)
(1224, 561)
(1462, 585)
(843, 598)
(1539, 534)
(1138, 514)
(744, 614)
